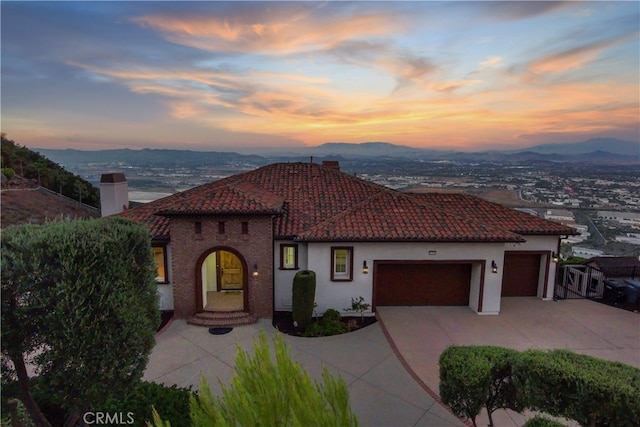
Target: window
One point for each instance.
(288, 257)
(341, 264)
(245, 227)
(198, 227)
(221, 227)
(159, 256)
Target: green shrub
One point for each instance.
(331, 315)
(304, 293)
(330, 324)
(588, 390)
(539, 421)
(171, 403)
(476, 377)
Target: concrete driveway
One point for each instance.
(382, 392)
(420, 334)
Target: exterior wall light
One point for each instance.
(255, 270)
(365, 268)
(494, 266)
(554, 257)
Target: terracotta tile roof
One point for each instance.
(390, 215)
(313, 202)
(489, 213)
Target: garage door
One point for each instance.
(521, 274)
(422, 284)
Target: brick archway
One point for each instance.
(199, 281)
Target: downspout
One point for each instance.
(555, 285)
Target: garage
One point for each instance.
(413, 283)
(521, 274)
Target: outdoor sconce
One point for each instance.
(365, 268)
(255, 270)
(494, 267)
(554, 257)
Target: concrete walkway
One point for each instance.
(382, 392)
(420, 334)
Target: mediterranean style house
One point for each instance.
(227, 251)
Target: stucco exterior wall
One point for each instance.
(337, 295)
(256, 248)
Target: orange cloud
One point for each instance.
(262, 33)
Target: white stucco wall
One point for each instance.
(283, 279)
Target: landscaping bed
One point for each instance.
(283, 322)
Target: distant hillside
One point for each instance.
(364, 149)
(598, 145)
(32, 165)
(602, 150)
(151, 157)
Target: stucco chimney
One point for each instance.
(114, 193)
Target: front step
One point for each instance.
(222, 318)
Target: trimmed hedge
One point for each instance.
(476, 377)
(589, 390)
(561, 383)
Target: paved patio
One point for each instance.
(420, 334)
(394, 382)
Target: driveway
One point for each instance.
(382, 392)
(420, 334)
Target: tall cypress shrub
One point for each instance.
(304, 294)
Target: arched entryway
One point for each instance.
(221, 274)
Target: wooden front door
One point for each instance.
(229, 272)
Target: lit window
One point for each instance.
(160, 259)
(341, 264)
(289, 257)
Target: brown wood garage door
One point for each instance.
(419, 283)
(521, 274)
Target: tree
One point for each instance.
(268, 393)
(83, 293)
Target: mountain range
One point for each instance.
(599, 150)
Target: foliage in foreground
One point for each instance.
(589, 390)
(84, 294)
(272, 392)
(172, 403)
(477, 377)
(561, 383)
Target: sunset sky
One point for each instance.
(244, 75)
